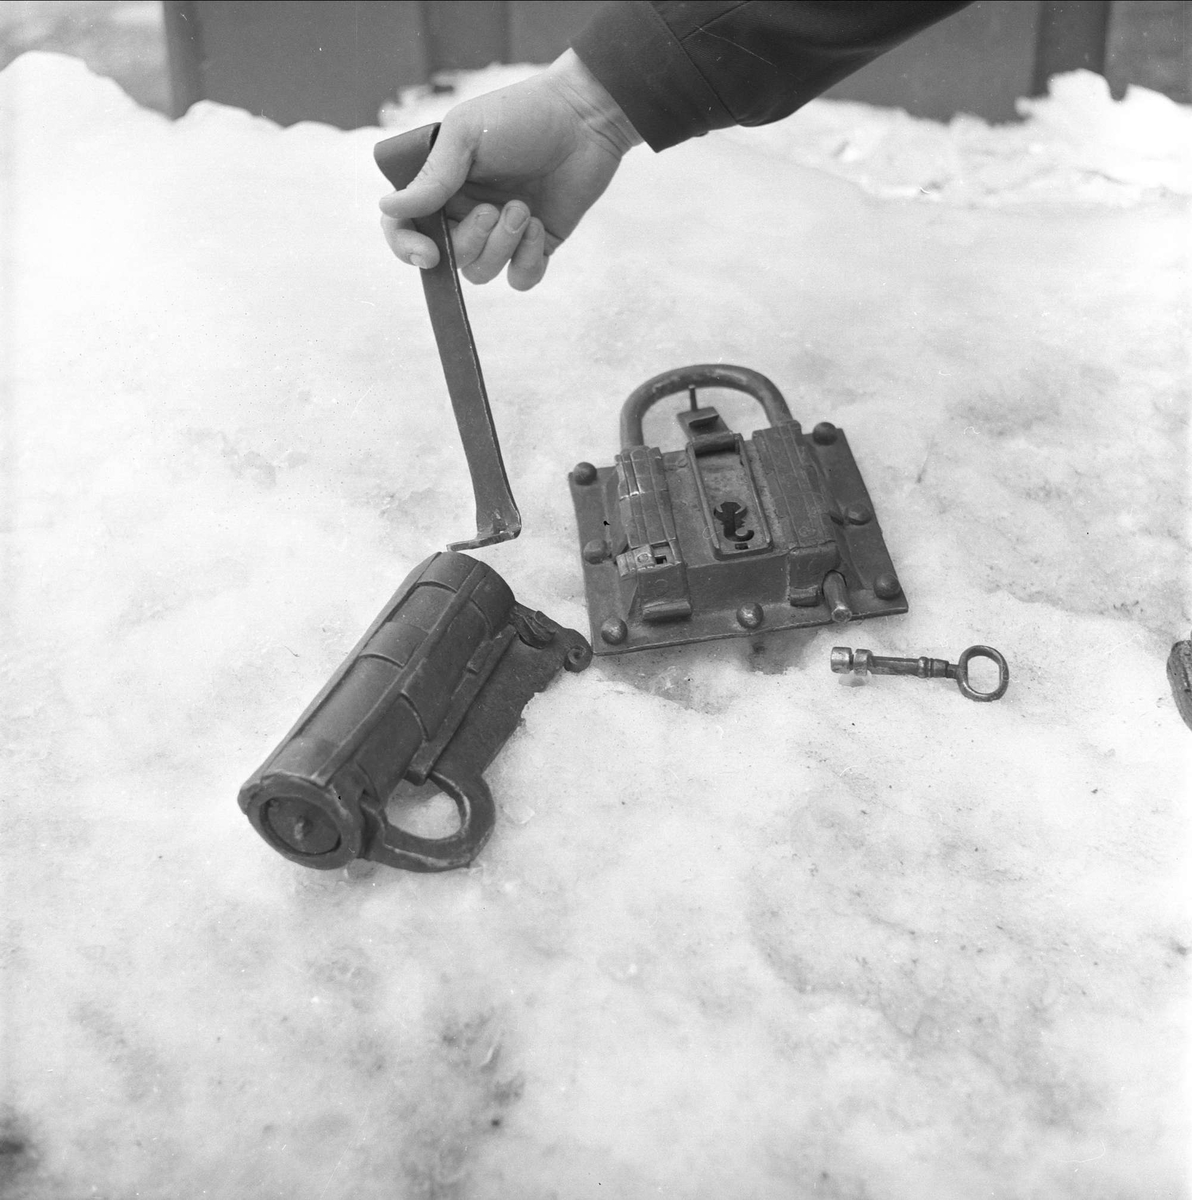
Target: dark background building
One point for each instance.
(339, 60)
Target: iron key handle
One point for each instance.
(845, 660)
(497, 518)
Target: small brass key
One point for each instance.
(863, 662)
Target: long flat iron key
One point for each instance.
(497, 518)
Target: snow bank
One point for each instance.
(1076, 144)
(742, 931)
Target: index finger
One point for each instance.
(408, 244)
(442, 175)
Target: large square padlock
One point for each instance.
(728, 537)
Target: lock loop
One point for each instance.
(397, 847)
(685, 379)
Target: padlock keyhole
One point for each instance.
(731, 516)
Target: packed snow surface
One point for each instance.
(742, 931)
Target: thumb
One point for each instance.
(442, 175)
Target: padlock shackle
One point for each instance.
(397, 847)
(669, 383)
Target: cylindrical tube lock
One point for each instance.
(430, 693)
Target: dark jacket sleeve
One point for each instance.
(681, 67)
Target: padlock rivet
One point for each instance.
(614, 631)
(886, 586)
(750, 616)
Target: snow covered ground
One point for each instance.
(742, 931)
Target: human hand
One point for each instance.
(515, 169)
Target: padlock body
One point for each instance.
(390, 705)
(729, 536)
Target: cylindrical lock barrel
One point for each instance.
(310, 799)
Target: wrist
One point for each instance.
(592, 102)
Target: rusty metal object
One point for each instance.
(729, 537)
(497, 518)
(430, 694)
(845, 660)
(1179, 675)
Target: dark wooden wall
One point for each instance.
(338, 60)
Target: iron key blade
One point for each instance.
(497, 517)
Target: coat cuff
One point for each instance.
(641, 64)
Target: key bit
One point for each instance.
(862, 662)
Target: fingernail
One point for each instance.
(420, 261)
(486, 218)
(516, 215)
